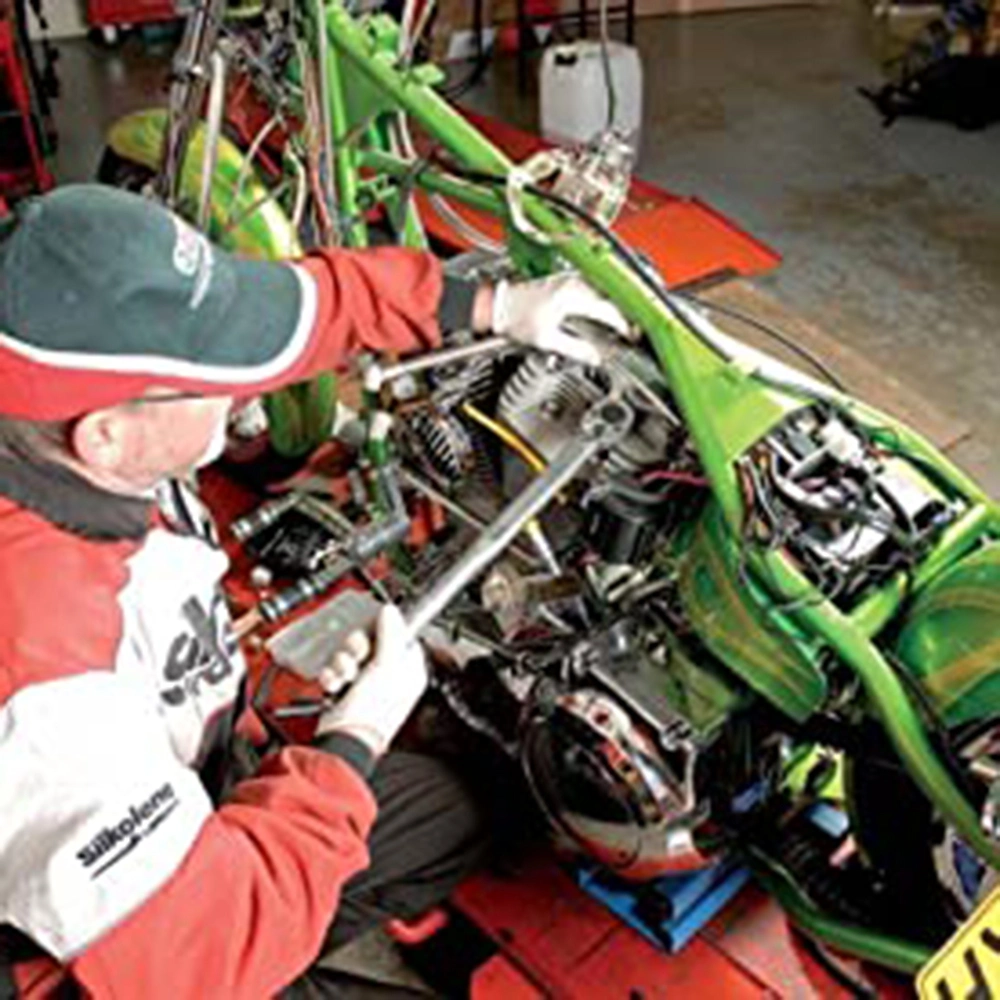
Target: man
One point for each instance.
(128, 857)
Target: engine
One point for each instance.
(569, 652)
(582, 651)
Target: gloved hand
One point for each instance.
(533, 312)
(387, 687)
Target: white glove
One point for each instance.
(387, 688)
(533, 312)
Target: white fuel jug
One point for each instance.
(574, 93)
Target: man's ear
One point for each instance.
(100, 439)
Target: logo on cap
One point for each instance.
(193, 259)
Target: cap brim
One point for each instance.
(261, 340)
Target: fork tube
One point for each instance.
(213, 128)
(345, 158)
(187, 89)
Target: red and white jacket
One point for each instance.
(119, 679)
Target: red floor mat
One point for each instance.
(558, 941)
(568, 945)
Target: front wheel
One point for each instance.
(932, 878)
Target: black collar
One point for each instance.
(69, 502)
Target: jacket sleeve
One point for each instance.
(383, 299)
(388, 299)
(112, 859)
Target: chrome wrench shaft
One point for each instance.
(602, 426)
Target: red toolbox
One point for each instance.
(107, 13)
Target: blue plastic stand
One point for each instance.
(687, 902)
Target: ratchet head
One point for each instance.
(607, 422)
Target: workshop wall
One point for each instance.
(455, 16)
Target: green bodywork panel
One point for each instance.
(765, 650)
(697, 691)
(300, 417)
(951, 640)
(742, 408)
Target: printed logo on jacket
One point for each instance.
(118, 839)
(201, 654)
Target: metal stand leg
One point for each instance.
(523, 41)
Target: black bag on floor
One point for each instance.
(964, 90)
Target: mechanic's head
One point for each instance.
(125, 336)
(129, 447)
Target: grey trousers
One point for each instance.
(428, 836)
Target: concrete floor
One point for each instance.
(99, 85)
(891, 238)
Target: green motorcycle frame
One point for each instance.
(752, 607)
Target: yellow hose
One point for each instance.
(508, 435)
(517, 444)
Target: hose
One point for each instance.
(507, 435)
(895, 953)
(251, 154)
(326, 126)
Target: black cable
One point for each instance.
(770, 331)
(857, 989)
(934, 723)
(832, 512)
(906, 542)
(645, 273)
(454, 91)
(621, 248)
(765, 601)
